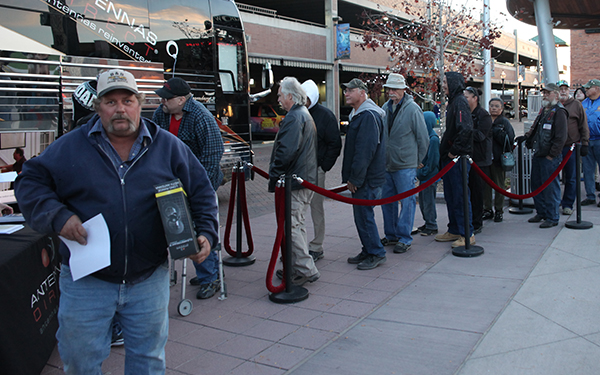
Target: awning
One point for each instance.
(13, 41)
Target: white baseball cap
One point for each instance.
(116, 79)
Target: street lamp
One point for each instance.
(521, 94)
(535, 83)
(503, 76)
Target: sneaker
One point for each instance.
(316, 255)
(208, 290)
(477, 230)
(461, 241)
(194, 281)
(498, 217)
(358, 259)
(300, 280)
(371, 262)
(567, 211)
(536, 219)
(428, 232)
(447, 237)
(588, 202)
(386, 242)
(418, 230)
(401, 248)
(488, 215)
(548, 224)
(117, 337)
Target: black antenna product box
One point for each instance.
(177, 219)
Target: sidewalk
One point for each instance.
(422, 312)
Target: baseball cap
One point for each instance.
(562, 82)
(356, 83)
(173, 87)
(592, 82)
(116, 79)
(550, 87)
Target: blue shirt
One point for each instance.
(592, 110)
(143, 139)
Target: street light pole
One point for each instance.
(503, 76)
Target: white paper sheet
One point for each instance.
(96, 254)
(8, 176)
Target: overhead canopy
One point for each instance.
(12, 41)
(575, 14)
(557, 41)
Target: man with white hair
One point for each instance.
(294, 153)
(329, 145)
(547, 137)
(114, 162)
(406, 146)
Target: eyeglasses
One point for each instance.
(349, 90)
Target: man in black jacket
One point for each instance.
(456, 141)
(482, 154)
(329, 145)
(294, 153)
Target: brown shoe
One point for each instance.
(461, 241)
(447, 237)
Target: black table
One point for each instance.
(29, 271)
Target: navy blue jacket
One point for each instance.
(74, 176)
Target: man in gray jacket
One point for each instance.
(295, 153)
(407, 141)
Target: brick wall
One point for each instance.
(283, 42)
(585, 57)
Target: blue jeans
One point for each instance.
(427, 206)
(569, 179)
(590, 162)
(208, 271)
(453, 194)
(364, 219)
(85, 315)
(546, 203)
(398, 227)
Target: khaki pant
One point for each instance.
(302, 262)
(317, 212)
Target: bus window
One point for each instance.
(231, 54)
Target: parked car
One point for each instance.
(265, 118)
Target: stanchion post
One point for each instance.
(468, 250)
(520, 210)
(239, 260)
(293, 293)
(578, 224)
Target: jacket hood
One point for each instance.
(456, 84)
(368, 105)
(312, 92)
(430, 121)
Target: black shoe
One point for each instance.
(401, 248)
(418, 230)
(477, 230)
(117, 337)
(488, 215)
(279, 274)
(386, 242)
(536, 219)
(371, 262)
(301, 280)
(208, 290)
(428, 232)
(357, 259)
(194, 281)
(316, 255)
(548, 224)
(597, 186)
(498, 217)
(588, 202)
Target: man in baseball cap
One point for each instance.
(173, 87)
(116, 79)
(591, 105)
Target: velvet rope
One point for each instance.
(260, 172)
(524, 196)
(279, 240)
(227, 234)
(245, 216)
(235, 181)
(378, 202)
